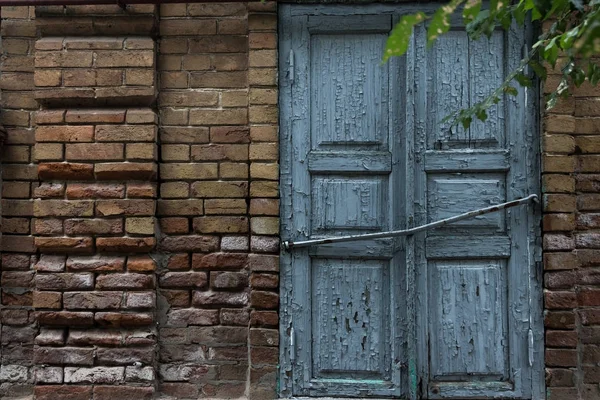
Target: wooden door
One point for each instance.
(479, 332)
(343, 115)
(453, 313)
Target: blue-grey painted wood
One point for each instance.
(466, 247)
(345, 304)
(350, 24)
(469, 304)
(476, 277)
(375, 162)
(468, 160)
(363, 150)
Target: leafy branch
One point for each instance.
(573, 38)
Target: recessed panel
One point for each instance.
(349, 89)
(463, 72)
(348, 203)
(468, 307)
(451, 195)
(350, 318)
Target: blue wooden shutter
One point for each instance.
(479, 308)
(342, 116)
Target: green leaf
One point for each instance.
(551, 52)
(399, 39)
(481, 115)
(440, 22)
(578, 76)
(539, 69)
(476, 27)
(523, 80)
(519, 12)
(471, 9)
(567, 38)
(466, 122)
(510, 90)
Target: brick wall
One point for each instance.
(571, 244)
(140, 207)
(19, 180)
(140, 201)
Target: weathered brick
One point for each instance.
(123, 392)
(125, 171)
(64, 281)
(92, 300)
(94, 151)
(210, 298)
(63, 392)
(228, 280)
(125, 133)
(64, 133)
(225, 189)
(217, 152)
(221, 225)
(95, 191)
(560, 300)
(66, 318)
(183, 279)
(51, 300)
(60, 208)
(95, 116)
(66, 171)
(180, 207)
(192, 316)
(124, 281)
(177, 171)
(110, 375)
(200, 243)
(219, 261)
(63, 355)
(17, 278)
(121, 319)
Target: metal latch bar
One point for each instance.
(288, 245)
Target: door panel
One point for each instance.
(348, 307)
(476, 275)
(444, 314)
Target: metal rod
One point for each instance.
(287, 245)
(4, 3)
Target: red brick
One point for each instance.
(66, 318)
(64, 133)
(219, 261)
(66, 171)
(561, 358)
(63, 392)
(124, 281)
(561, 339)
(178, 262)
(184, 279)
(126, 244)
(121, 319)
(123, 392)
(589, 297)
(142, 263)
(560, 300)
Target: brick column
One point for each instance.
(264, 200)
(95, 206)
(19, 175)
(571, 186)
(203, 208)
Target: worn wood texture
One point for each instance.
(443, 314)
